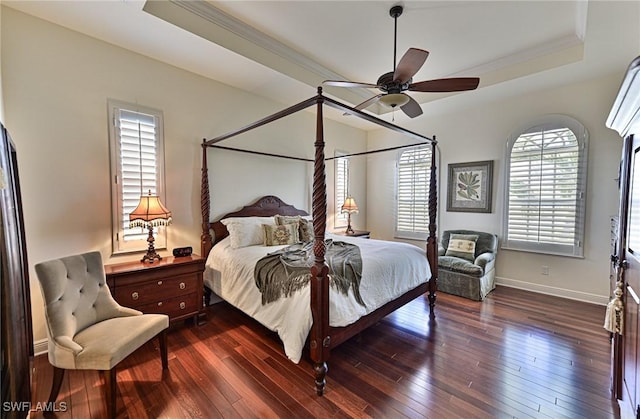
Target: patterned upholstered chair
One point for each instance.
(466, 263)
(87, 328)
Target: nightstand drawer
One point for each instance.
(171, 286)
(154, 290)
(155, 273)
(175, 307)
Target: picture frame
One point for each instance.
(469, 186)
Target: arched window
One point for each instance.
(413, 177)
(546, 172)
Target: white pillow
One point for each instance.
(246, 231)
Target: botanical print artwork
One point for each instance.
(468, 185)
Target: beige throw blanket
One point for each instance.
(287, 270)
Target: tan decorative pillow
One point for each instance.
(306, 230)
(287, 219)
(278, 235)
(462, 246)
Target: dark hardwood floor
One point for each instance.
(517, 354)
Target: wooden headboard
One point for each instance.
(266, 206)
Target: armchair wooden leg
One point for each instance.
(162, 337)
(111, 391)
(58, 376)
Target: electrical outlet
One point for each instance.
(545, 270)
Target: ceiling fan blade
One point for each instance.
(411, 108)
(409, 64)
(457, 84)
(369, 102)
(341, 83)
(366, 103)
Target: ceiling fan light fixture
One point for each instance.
(392, 84)
(394, 99)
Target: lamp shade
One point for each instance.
(149, 211)
(394, 99)
(349, 206)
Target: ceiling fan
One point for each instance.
(395, 83)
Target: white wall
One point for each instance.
(56, 85)
(481, 133)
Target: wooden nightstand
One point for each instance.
(356, 233)
(171, 286)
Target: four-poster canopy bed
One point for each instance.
(323, 336)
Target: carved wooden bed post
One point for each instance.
(205, 205)
(320, 340)
(432, 242)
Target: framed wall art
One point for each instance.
(469, 186)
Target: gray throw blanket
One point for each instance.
(287, 270)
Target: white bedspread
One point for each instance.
(389, 269)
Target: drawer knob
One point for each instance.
(135, 296)
(182, 285)
(159, 282)
(160, 304)
(182, 305)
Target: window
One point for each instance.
(341, 188)
(545, 188)
(137, 160)
(413, 177)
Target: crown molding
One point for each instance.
(230, 23)
(204, 19)
(547, 49)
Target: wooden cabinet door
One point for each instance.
(631, 370)
(15, 306)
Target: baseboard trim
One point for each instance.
(557, 292)
(40, 347)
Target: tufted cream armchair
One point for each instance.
(87, 328)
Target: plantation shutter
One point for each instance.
(413, 177)
(137, 157)
(138, 162)
(546, 181)
(341, 190)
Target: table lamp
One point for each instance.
(350, 207)
(150, 213)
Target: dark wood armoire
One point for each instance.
(17, 336)
(625, 118)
